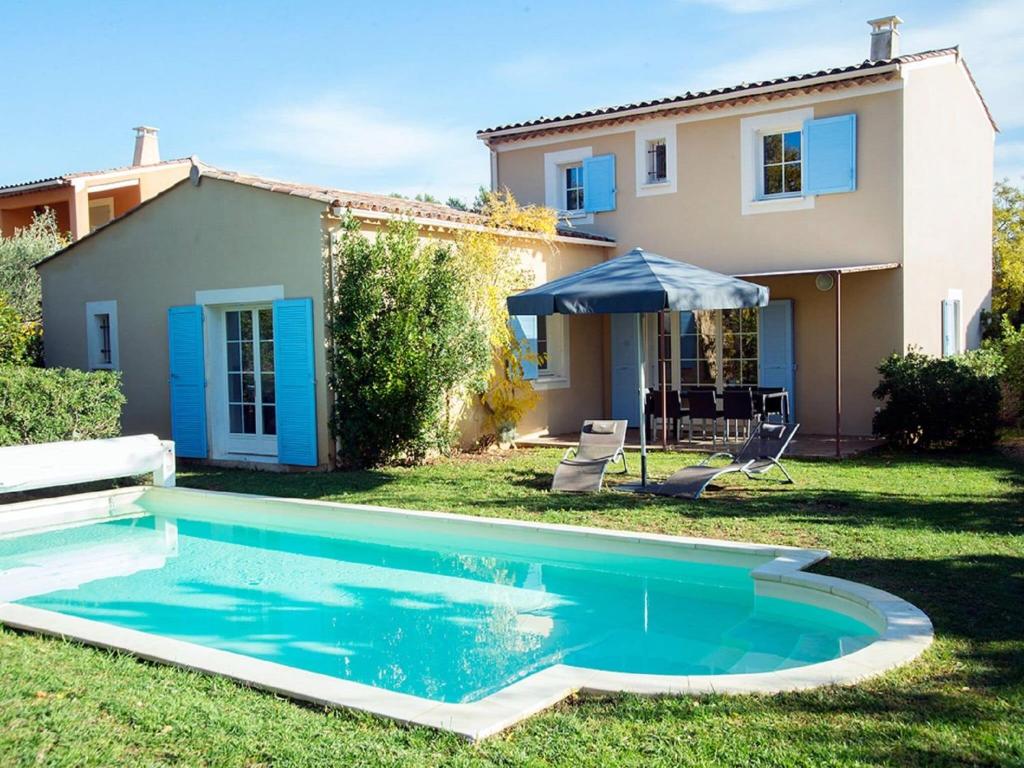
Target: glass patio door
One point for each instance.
(252, 415)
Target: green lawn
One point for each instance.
(947, 533)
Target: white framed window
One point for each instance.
(572, 187)
(657, 170)
(656, 162)
(101, 335)
(780, 164)
(771, 162)
(552, 352)
(563, 183)
(101, 210)
(718, 347)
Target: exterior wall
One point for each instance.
(948, 150)
(702, 222)
(218, 235)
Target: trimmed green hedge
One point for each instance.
(39, 405)
(939, 402)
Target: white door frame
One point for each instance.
(224, 445)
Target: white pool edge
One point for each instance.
(905, 631)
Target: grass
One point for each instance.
(945, 532)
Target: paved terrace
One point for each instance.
(807, 446)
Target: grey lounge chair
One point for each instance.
(582, 468)
(762, 451)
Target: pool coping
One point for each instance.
(904, 630)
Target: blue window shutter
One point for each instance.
(295, 383)
(948, 328)
(599, 183)
(187, 381)
(830, 155)
(524, 328)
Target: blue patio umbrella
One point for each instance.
(638, 283)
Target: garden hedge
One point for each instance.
(39, 405)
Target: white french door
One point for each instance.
(249, 392)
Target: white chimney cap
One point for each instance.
(884, 23)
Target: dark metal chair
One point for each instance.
(701, 404)
(737, 406)
(772, 407)
(673, 408)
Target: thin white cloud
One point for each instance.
(750, 6)
(368, 148)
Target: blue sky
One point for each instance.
(386, 97)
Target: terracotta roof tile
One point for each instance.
(65, 179)
(855, 70)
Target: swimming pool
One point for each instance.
(468, 624)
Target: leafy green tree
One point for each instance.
(456, 203)
(404, 344)
(19, 253)
(1008, 252)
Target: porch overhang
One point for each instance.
(817, 270)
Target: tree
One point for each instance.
(19, 282)
(1008, 252)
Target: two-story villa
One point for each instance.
(860, 195)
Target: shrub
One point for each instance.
(1008, 342)
(21, 343)
(939, 402)
(403, 345)
(39, 405)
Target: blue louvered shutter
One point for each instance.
(187, 381)
(295, 383)
(830, 155)
(599, 183)
(524, 328)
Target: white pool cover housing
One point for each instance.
(47, 465)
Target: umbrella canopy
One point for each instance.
(638, 282)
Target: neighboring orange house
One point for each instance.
(86, 200)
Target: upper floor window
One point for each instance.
(657, 165)
(573, 180)
(781, 164)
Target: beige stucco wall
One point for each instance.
(218, 235)
(702, 222)
(947, 198)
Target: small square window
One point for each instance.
(781, 164)
(657, 163)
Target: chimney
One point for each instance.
(885, 38)
(147, 149)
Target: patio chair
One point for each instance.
(582, 468)
(737, 406)
(762, 451)
(701, 404)
(674, 411)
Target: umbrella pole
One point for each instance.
(642, 393)
(663, 380)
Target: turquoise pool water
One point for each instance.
(450, 615)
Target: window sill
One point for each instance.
(577, 217)
(778, 204)
(551, 382)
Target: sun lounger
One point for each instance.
(582, 468)
(762, 451)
